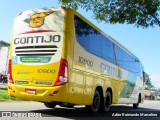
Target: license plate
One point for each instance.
(30, 91)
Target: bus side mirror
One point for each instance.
(144, 80)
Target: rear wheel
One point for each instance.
(107, 102)
(135, 105)
(96, 103)
(50, 105)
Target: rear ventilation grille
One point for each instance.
(36, 50)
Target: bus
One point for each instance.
(58, 57)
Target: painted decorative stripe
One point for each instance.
(37, 31)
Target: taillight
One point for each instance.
(10, 72)
(63, 73)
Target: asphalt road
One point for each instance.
(79, 112)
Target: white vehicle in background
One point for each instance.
(152, 94)
(4, 52)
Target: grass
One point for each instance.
(4, 97)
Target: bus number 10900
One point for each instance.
(86, 61)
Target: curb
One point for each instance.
(3, 86)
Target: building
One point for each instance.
(4, 53)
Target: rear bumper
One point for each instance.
(43, 94)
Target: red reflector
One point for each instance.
(56, 92)
(10, 88)
(50, 94)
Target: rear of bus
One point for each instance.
(37, 67)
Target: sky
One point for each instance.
(144, 43)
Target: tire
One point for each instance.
(136, 105)
(70, 106)
(95, 104)
(50, 105)
(105, 106)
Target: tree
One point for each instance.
(148, 80)
(3, 43)
(142, 13)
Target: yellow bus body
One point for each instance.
(35, 81)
